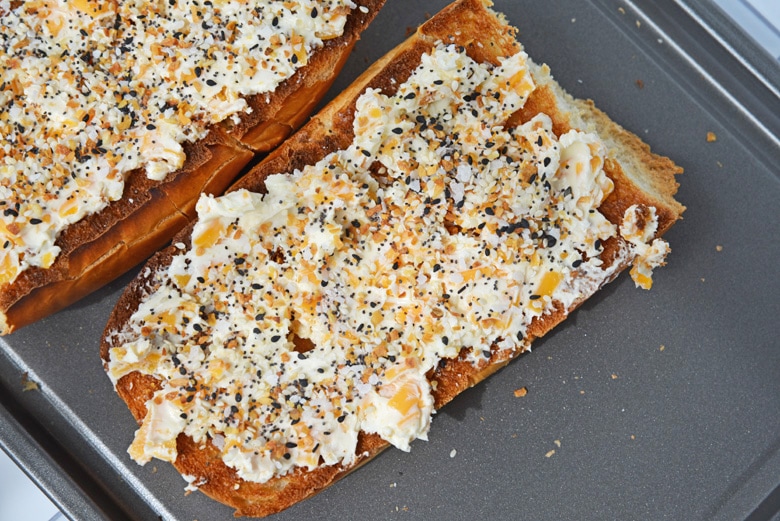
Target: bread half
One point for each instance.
(107, 242)
(425, 310)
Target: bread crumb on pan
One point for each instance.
(28, 384)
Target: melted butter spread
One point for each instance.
(93, 89)
(439, 230)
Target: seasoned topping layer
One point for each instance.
(300, 317)
(92, 89)
(638, 227)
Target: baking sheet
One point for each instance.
(657, 405)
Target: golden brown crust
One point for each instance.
(465, 23)
(102, 246)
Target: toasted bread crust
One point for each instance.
(104, 245)
(465, 23)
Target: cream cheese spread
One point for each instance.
(305, 315)
(93, 89)
(638, 227)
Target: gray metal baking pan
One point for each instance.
(658, 405)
